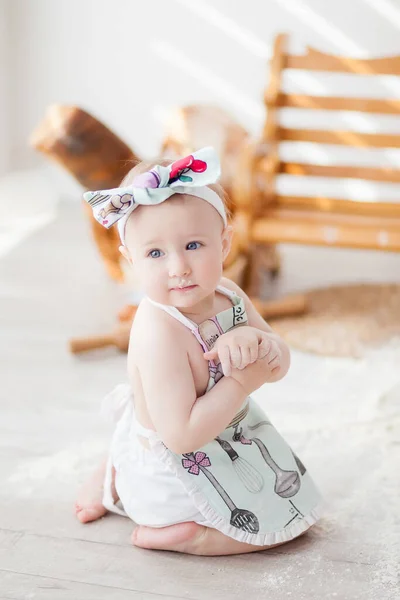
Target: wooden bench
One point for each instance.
(266, 217)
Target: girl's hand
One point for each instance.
(239, 348)
(262, 371)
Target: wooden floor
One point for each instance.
(341, 417)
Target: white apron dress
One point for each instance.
(247, 483)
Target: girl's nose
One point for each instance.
(178, 267)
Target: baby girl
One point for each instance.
(194, 461)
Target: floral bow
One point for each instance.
(187, 175)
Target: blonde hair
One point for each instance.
(146, 165)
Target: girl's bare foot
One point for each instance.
(89, 505)
(191, 538)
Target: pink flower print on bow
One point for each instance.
(196, 170)
(183, 166)
(119, 204)
(200, 459)
(149, 179)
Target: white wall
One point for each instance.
(5, 92)
(130, 61)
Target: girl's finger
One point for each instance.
(245, 357)
(263, 348)
(253, 352)
(236, 356)
(273, 353)
(225, 358)
(274, 363)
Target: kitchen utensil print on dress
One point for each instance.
(209, 332)
(248, 475)
(260, 424)
(295, 512)
(240, 517)
(287, 483)
(238, 437)
(300, 465)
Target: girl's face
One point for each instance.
(177, 249)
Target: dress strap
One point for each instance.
(174, 312)
(227, 292)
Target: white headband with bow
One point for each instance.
(189, 175)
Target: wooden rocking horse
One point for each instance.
(98, 159)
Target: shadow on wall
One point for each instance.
(131, 71)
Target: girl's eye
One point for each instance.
(193, 246)
(154, 253)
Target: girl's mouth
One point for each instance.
(186, 288)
